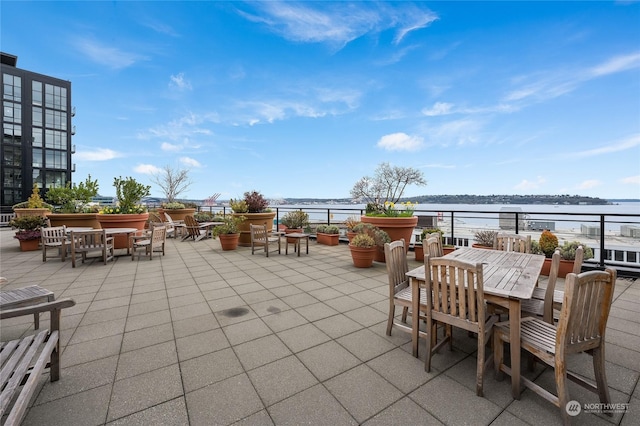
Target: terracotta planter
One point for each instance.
(351, 234)
(229, 241)
(176, 214)
(447, 250)
(73, 220)
(362, 256)
(566, 267)
(396, 227)
(327, 239)
(256, 219)
(292, 231)
(31, 212)
(419, 252)
(122, 221)
(29, 245)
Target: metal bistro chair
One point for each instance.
(581, 328)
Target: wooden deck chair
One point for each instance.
(174, 227)
(260, 237)
(432, 245)
(512, 242)
(547, 294)
(153, 243)
(192, 228)
(55, 238)
(455, 297)
(581, 328)
(85, 242)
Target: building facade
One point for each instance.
(36, 122)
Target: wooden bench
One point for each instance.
(23, 360)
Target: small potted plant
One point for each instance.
(228, 232)
(350, 223)
(363, 248)
(328, 235)
(379, 236)
(294, 221)
(484, 238)
(28, 233)
(568, 253)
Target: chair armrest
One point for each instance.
(33, 309)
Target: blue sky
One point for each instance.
(301, 99)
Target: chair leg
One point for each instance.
(480, 365)
(427, 360)
(601, 375)
(36, 321)
(405, 311)
(392, 312)
(563, 390)
(498, 355)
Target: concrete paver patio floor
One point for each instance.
(203, 336)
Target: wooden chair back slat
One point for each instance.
(432, 245)
(397, 266)
(512, 242)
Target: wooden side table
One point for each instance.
(297, 237)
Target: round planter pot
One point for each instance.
(396, 227)
(29, 245)
(31, 212)
(256, 219)
(74, 220)
(362, 256)
(229, 241)
(176, 214)
(292, 231)
(137, 221)
(350, 235)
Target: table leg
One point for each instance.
(415, 315)
(298, 245)
(307, 244)
(514, 337)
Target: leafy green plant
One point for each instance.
(568, 250)
(363, 240)
(295, 219)
(239, 206)
(129, 194)
(351, 222)
(485, 237)
(328, 229)
(379, 236)
(231, 225)
(548, 243)
(73, 198)
(28, 226)
(173, 206)
(205, 217)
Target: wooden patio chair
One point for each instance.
(85, 242)
(581, 328)
(151, 243)
(55, 238)
(545, 307)
(174, 227)
(547, 294)
(512, 242)
(400, 287)
(25, 359)
(260, 237)
(192, 228)
(455, 297)
(432, 245)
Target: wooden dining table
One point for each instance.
(509, 278)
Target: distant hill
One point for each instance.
(473, 199)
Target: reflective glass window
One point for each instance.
(37, 116)
(36, 92)
(37, 136)
(36, 160)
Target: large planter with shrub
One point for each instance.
(42, 212)
(328, 235)
(265, 218)
(396, 227)
(74, 220)
(136, 220)
(176, 214)
(566, 267)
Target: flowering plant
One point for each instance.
(399, 210)
(129, 194)
(28, 235)
(121, 210)
(28, 227)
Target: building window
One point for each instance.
(56, 159)
(36, 160)
(56, 119)
(36, 92)
(56, 139)
(55, 97)
(12, 134)
(37, 136)
(37, 116)
(12, 87)
(12, 113)
(12, 156)
(56, 179)
(37, 177)
(12, 178)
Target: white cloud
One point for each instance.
(589, 184)
(106, 55)
(631, 180)
(400, 142)
(439, 166)
(527, 185)
(623, 145)
(178, 82)
(187, 161)
(617, 64)
(147, 169)
(166, 146)
(100, 154)
(439, 108)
